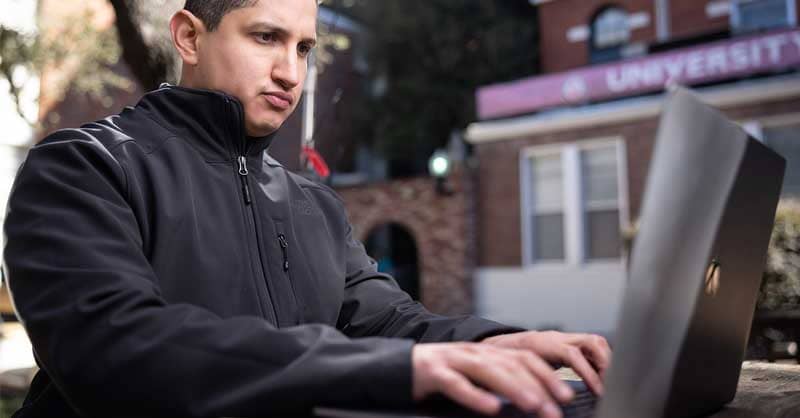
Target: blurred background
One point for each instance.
(492, 154)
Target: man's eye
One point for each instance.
(304, 50)
(265, 37)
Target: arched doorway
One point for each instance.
(395, 250)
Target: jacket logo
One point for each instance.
(304, 207)
(712, 278)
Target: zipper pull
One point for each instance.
(243, 166)
(243, 175)
(285, 249)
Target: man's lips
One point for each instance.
(279, 100)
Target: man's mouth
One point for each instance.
(279, 100)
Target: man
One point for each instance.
(164, 265)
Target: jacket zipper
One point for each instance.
(248, 201)
(243, 176)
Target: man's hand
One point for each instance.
(589, 355)
(472, 374)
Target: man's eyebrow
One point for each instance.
(271, 27)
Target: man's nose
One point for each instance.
(286, 69)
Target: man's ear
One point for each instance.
(186, 29)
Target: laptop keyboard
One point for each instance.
(582, 406)
(438, 406)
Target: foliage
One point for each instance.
(432, 55)
(80, 48)
(780, 289)
(10, 405)
(17, 51)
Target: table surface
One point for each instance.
(765, 390)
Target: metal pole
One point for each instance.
(309, 96)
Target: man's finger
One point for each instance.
(461, 390)
(560, 390)
(596, 348)
(501, 372)
(575, 359)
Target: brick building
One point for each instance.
(564, 155)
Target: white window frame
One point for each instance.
(574, 202)
(736, 17)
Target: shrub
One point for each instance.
(780, 289)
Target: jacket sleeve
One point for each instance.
(90, 303)
(374, 305)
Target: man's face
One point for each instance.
(259, 55)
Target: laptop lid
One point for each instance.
(708, 211)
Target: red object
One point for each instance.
(316, 161)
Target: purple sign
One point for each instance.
(709, 62)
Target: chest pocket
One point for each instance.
(313, 260)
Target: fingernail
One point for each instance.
(551, 410)
(565, 393)
(496, 405)
(532, 401)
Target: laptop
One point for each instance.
(695, 270)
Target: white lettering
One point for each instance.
(653, 74)
(675, 68)
(739, 57)
(774, 45)
(694, 65)
(632, 75)
(716, 61)
(755, 53)
(614, 80)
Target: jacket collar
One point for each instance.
(212, 121)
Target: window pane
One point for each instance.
(611, 28)
(762, 14)
(785, 140)
(548, 232)
(599, 172)
(602, 234)
(548, 188)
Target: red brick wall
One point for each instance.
(499, 212)
(558, 16)
(442, 228)
(498, 195)
(688, 18)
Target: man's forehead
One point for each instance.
(298, 17)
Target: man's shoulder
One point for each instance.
(313, 184)
(130, 127)
(327, 200)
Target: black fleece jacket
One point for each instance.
(163, 264)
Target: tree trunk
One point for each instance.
(143, 27)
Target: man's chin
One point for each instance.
(262, 129)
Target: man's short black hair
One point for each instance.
(211, 12)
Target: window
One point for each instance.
(756, 15)
(573, 202)
(601, 202)
(610, 33)
(547, 202)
